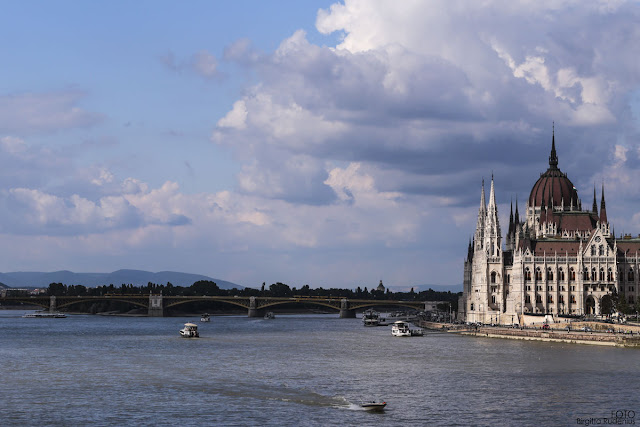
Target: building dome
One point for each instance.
(553, 187)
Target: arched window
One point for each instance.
(561, 299)
(593, 251)
(572, 274)
(471, 306)
(593, 273)
(549, 274)
(538, 274)
(527, 274)
(561, 274)
(493, 277)
(493, 299)
(630, 275)
(601, 274)
(585, 274)
(609, 275)
(601, 250)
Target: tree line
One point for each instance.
(282, 290)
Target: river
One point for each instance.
(297, 370)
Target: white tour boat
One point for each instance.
(190, 330)
(400, 329)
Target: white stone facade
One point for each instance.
(560, 261)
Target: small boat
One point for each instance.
(370, 318)
(205, 317)
(374, 406)
(190, 330)
(269, 315)
(400, 329)
(45, 315)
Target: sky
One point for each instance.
(333, 144)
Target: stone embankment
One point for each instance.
(622, 335)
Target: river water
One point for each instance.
(297, 370)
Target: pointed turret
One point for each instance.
(553, 157)
(517, 217)
(595, 205)
(492, 234)
(603, 209)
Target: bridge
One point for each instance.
(255, 306)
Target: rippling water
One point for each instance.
(296, 370)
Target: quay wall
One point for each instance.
(559, 335)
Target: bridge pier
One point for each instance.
(345, 311)
(52, 304)
(253, 310)
(155, 306)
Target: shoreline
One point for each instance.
(569, 337)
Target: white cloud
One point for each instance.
(43, 112)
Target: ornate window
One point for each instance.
(572, 274)
(493, 299)
(538, 274)
(561, 274)
(549, 274)
(527, 274)
(593, 274)
(630, 275)
(493, 277)
(538, 299)
(585, 274)
(593, 251)
(601, 250)
(602, 274)
(609, 275)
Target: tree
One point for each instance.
(57, 289)
(205, 287)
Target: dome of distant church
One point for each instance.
(553, 186)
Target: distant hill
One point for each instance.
(24, 279)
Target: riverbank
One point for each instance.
(598, 336)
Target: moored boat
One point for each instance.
(205, 317)
(190, 330)
(269, 315)
(45, 315)
(370, 318)
(400, 329)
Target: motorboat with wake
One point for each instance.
(190, 330)
(373, 406)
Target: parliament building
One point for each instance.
(558, 261)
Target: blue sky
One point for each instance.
(328, 143)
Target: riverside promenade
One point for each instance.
(619, 335)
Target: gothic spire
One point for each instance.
(603, 209)
(517, 217)
(595, 205)
(553, 158)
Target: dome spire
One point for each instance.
(553, 158)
